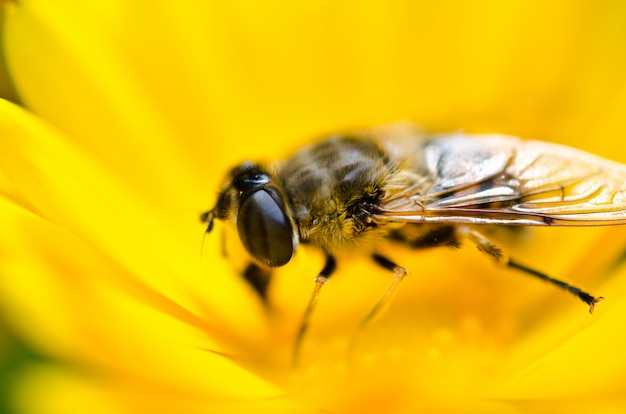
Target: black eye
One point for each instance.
(264, 228)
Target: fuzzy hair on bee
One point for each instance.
(396, 183)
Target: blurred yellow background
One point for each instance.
(134, 111)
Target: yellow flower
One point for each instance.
(133, 112)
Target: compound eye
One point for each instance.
(265, 230)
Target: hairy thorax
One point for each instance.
(331, 188)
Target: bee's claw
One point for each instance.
(592, 303)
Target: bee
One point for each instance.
(396, 183)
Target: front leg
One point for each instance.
(329, 268)
(259, 278)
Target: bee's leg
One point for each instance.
(491, 249)
(399, 274)
(320, 280)
(417, 237)
(379, 308)
(435, 236)
(259, 278)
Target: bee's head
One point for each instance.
(264, 223)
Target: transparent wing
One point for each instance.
(496, 179)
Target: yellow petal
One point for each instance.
(78, 303)
(100, 99)
(74, 192)
(587, 365)
(111, 393)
